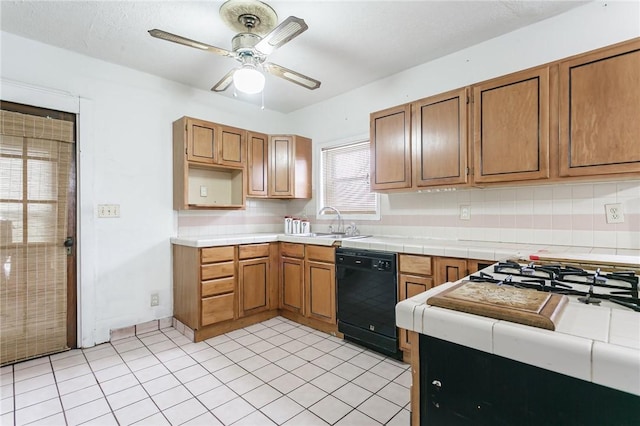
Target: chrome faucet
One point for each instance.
(340, 229)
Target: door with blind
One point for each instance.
(37, 231)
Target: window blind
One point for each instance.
(36, 154)
(345, 179)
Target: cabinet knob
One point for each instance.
(437, 383)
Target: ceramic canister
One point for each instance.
(288, 225)
(296, 225)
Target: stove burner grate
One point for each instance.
(628, 298)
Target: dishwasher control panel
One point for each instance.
(381, 265)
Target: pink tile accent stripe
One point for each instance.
(578, 222)
(228, 220)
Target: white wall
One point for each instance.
(125, 158)
(125, 143)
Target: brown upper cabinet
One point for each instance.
(440, 139)
(289, 173)
(202, 140)
(233, 148)
(213, 143)
(209, 168)
(511, 127)
(571, 119)
(257, 164)
(390, 137)
(600, 112)
(217, 166)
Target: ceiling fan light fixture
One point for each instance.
(248, 80)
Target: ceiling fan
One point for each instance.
(258, 36)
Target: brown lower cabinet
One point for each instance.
(419, 273)
(415, 277)
(253, 279)
(219, 289)
(307, 284)
(320, 283)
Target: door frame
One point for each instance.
(43, 97)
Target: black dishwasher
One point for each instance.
(367, 297)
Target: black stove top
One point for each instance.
(619, 288)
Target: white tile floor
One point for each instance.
(276, 372)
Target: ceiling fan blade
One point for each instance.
(283, 33)
(224, 82)
(163, 35)
(292, 76)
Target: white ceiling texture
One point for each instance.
(348, 44)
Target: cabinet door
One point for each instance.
(201, 141)
(233, 146)
(281, 166)
(253, 285)
(409, 286)
(320, 287)
(292, 284)
(449, 270)
(258, 145)
(391, 148)
(440, 139)
(474, 265)
(511, 127)
(599, 112)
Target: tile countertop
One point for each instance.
(592, 343)
(480, 250)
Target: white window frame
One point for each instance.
(320, 179)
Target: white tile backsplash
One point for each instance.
(566, 214)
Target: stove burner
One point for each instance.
(588, 300)
(555, 280)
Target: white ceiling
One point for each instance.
(348, 43)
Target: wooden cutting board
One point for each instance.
(523, 306)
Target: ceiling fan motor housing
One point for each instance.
(245, 42)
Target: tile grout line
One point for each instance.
(237, 339)
(64, 412)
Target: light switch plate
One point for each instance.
(109, 210)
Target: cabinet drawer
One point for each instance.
(321, 253)
(217, 308)
(219, 286)
(217, 270)
(415, 264)
(292, 250)
(217, 254)
(251, 251)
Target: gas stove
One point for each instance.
(604, 285)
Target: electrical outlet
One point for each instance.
(155, 299)
(109, 210)
(465, 212)
(203, 191)
(614, 213)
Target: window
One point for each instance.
(345, 181)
